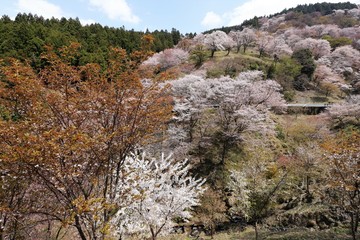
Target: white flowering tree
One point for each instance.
(272, 24)
(167, 58)
(152, 193)
(279, 47)
(350, 32)
(292, 36)
(345, 60)
(264, 42)
(217, 40)
(243, 38)
(345, 113)
(318, 47)
(231, 105)
(329, 81)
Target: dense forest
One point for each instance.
(251, 133)
(26, 36)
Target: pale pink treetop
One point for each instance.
(249, 95)
(168, 58)
(348, 111)
(342, 59)
(217, 40)
(318, 47)
(243, 38)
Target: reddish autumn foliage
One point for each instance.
(65, 132)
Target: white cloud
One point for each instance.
(260, 8)
(212, 19)
(116, 9)
(39, 7)
(85, 22)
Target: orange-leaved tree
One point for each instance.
(344, 177)
(66, 131)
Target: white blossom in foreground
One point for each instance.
(161, 190)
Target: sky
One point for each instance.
(184, 15)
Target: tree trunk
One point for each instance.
(78, 227)
(256, 231)
(48, 230)
(58, 233)
(307, 184)
(14, 237)
(354, 224)
(153, 234)
(261, 52)
(223, 154)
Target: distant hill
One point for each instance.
(323, 8)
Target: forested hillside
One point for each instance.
(306, 11)
(251, 133)
(26, 36)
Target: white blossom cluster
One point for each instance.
(157, 191)
(167, 58)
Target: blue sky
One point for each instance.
(185, 15)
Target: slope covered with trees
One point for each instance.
(321, 9)
(206, 136)
(26, 35)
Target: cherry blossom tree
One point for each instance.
(307, 163)
(342, 114)
(238, 105)
(167, 58)
(324, 75)
(345, 60)
(243, 38)
(272, 24)
(318, 47)
(315, 31)
(228, 45)
(199, 39)
(264, 42)
(279, 47)
(318, 31)
(161, 189)
(217, 40)
(236, 36)
(185, 44)
(355, 12)
(292, 36)
(350, 32)
(331, 30)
